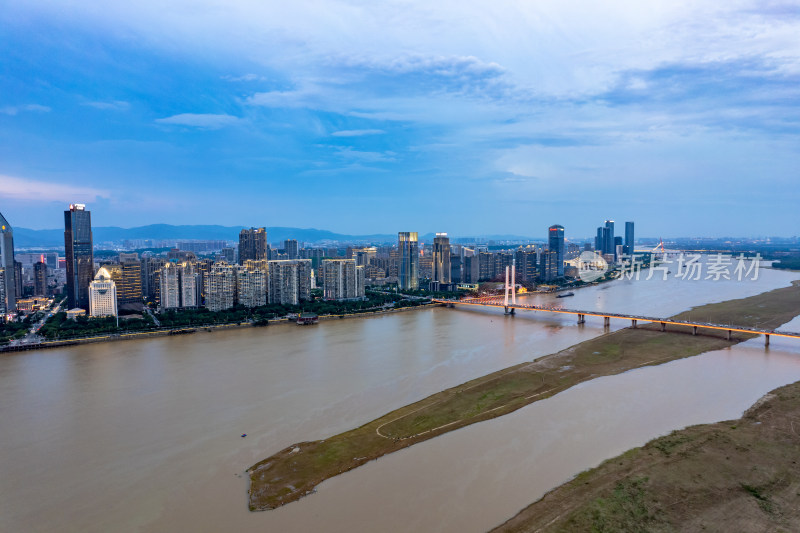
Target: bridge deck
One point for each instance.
(498, 302)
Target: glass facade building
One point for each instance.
(8, 291)
(79, 255)
(408, 246)
(555, 240)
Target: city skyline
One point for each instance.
(566, 112)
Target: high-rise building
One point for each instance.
(629, 238)
(555, 243)
(525, 262)
(169, 287)
(408, 246)
(441, 258)
(289, 281)
(79, 255)
(102, 294)
(40, 279)
(220, 286)
(342, 279)
(252, 284)
(291, 249)
(129, 286)
(471, 269)
(456, 275)
(549, 265)
(151, 280)
(598, 241)
(608, 237)
(189, 280)
(252, 244)
(8, 302)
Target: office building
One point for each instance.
(455, 269)
(408, 246)
(555, 243)
(102, 294)
(252, 244)
(9, 289)
(79, 255)
(40, 279)
(289, 281)
(608, 237)
(441, 259)
(291, 249)
(129, 286)
(342, 279)
(629, 238)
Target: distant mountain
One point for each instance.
(45, 238)
(29, 238)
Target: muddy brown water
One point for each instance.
(145, 435)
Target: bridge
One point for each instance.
(510, 305)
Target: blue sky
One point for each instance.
(466, 117)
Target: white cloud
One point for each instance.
(552, 46)
(356, 133)
(26, 189)
(114, 105)
(244, 77)
(203, 121)
(13, 110)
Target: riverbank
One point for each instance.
(736, 475)
(294, 471)
(189, 330)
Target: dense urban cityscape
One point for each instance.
(275, 281)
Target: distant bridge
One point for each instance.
(510, 308)
(510, 305)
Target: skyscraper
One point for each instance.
(408, 275)
(441, 258)
(628, 250)
(79, 255)
(40, 279)
(291, 249)
(252, 244)
(608, 237)
(8, 302)
(556, 244)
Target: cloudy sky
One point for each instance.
(470, 117)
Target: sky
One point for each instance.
(468, 117)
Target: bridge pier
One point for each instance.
(766, 341)
(663, 327)
(509, 310)
(606, 321)
(729, 334)
(694, 330)
(581, 319)
(633, 323)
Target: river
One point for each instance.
(145, 435)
